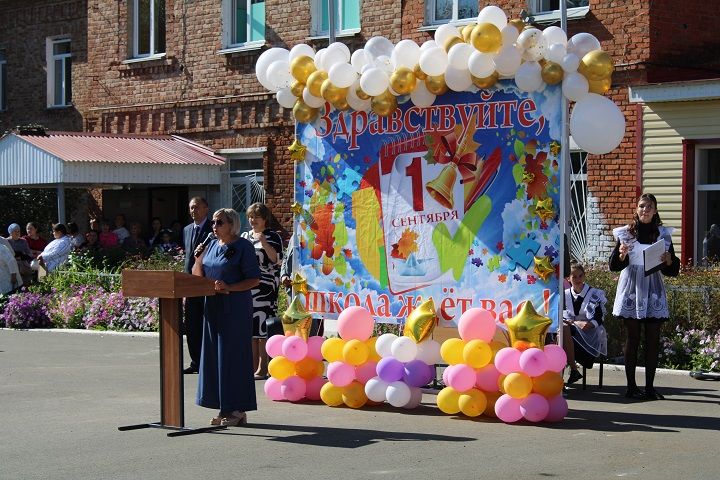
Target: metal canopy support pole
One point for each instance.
(331, 21)
(61, 202)
(564, 189)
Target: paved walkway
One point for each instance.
(62, 397)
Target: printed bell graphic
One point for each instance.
(441, 189)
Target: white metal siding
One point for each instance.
(22, 163)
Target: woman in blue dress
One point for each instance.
(226, 379)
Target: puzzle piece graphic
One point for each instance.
(522, 253)
(494, 263)
(348, 182)
(550, 251)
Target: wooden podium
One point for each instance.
(170, 287)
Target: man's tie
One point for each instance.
(195, 234)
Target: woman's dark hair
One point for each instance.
(35, 225)
(73, 228)
(60, 227)
(577, 266)
(261, 210)
(655, 222)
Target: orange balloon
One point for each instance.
(549, 384)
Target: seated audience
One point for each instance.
(56, 252)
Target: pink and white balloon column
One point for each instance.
(296, 368)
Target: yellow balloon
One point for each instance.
(528, 326)
(518, 23)
(332, 93)
(600, 86)
(501, 383)
(297, 88)
(419, 74)
(518, 385)
(451, 351)
(472, 403)
(596, 65)
(302, 67)
(355, 352)
(485, 82)
(466, 31)
(403, 80)
(361, 95)
(551, 73)
(306, 368)
(384, 104)
(303, 112)
(373, 355)
(420, 324)
(477, 353)
(281, 368)
(496, 346)
(436, 84)
(549, 384)
(486, 37)
(332, 349)
(315, 81)
(342, 104)
(331, 395)
(354, 396)
(447, 400)
(491, 397)
(451, 42)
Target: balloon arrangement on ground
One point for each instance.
(381, 75)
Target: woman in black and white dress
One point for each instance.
(268, 249)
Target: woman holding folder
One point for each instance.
(640, 298)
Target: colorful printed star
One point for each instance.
(502, 278)
(543, 267)
(296, 208)
(555, 148)
(297, 151)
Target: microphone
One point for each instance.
(201, 248)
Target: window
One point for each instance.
(538, 6)
(707, 188)
(347, 17)
(59, 72)
(444, 11)
(147, 27)
(3, 82)
(246, 180)
(579, 205)
(243, 22)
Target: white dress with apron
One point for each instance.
(593, 340)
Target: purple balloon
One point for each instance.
(390, 369)
(418, 373)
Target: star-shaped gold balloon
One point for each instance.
(543, 267)
(297, 151)
(296, 208)
(528, 327)
(299, 284)
(420, 324)
(296, 320)
(544, 209)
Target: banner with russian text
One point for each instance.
(457, 201)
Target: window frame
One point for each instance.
(134, 20)
(430, 19)
(538, 15)
(228, 30)
(3, 82)
(66, 60)
(316, 11)
(701, 188)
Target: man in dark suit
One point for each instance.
(193, 235)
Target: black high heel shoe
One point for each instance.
(635, 393)
(652, 394)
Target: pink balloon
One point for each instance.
(293, 388)
(340, 374)
(273, 346)
(313, 387)
(314, 346)
(355, 323)
(507, 360)
(507, 409)
(534, 407)
(487, 378)
(462, 377)
(558, 409)
(365, 372)
(533, 362)
(272, 389)
(445, 374)
(294, 348)
(477, 324)
(556, 357)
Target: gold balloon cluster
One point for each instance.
(597, 66)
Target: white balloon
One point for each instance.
(508, 60)
(340, 46)
(429, 352)
(570, 63)
(318, 58)
(529, 38)
(342, 75)
(355, 102)
(509, 34)
(404, 349)
(286, 98)
(374, 81)
(596, 124)
(384, 343)
(555, 52)
(311, 100)
(582, 43)
(481, 64)
(405, 54)
(415, 398)
(458, 80)
(421, 96)
(428, 44)
(279, 75)
(528, 77)
(266, 58)
(433, 61)
(301, 50)
(459, 55)
(445, 32)
(575, 86)
(384, 63)
(534, 53)
(334, 56)
(358, 60)
(398, 394)
(555, 35)
(494, 15)
(378, 46)
(375, 389)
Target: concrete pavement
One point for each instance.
(62, 397)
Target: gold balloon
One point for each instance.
(419, 74)
(420, 324)
(551, 73)
(486, 37)
(331, 92)
(518, 24)
(302, 67)
(297, 151)
(296, 320)
(403, 80)
(297, 88)
(528, 326)
(384, 104)
(299, 284)
(485, 82)
(544, 209)
(596, 65)
(466, 31)
(543, 267)
(342, 104)
(315, 82)
(303, 112)
(451, 42)
(361, 95)
(436, 85)
(600, 86)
